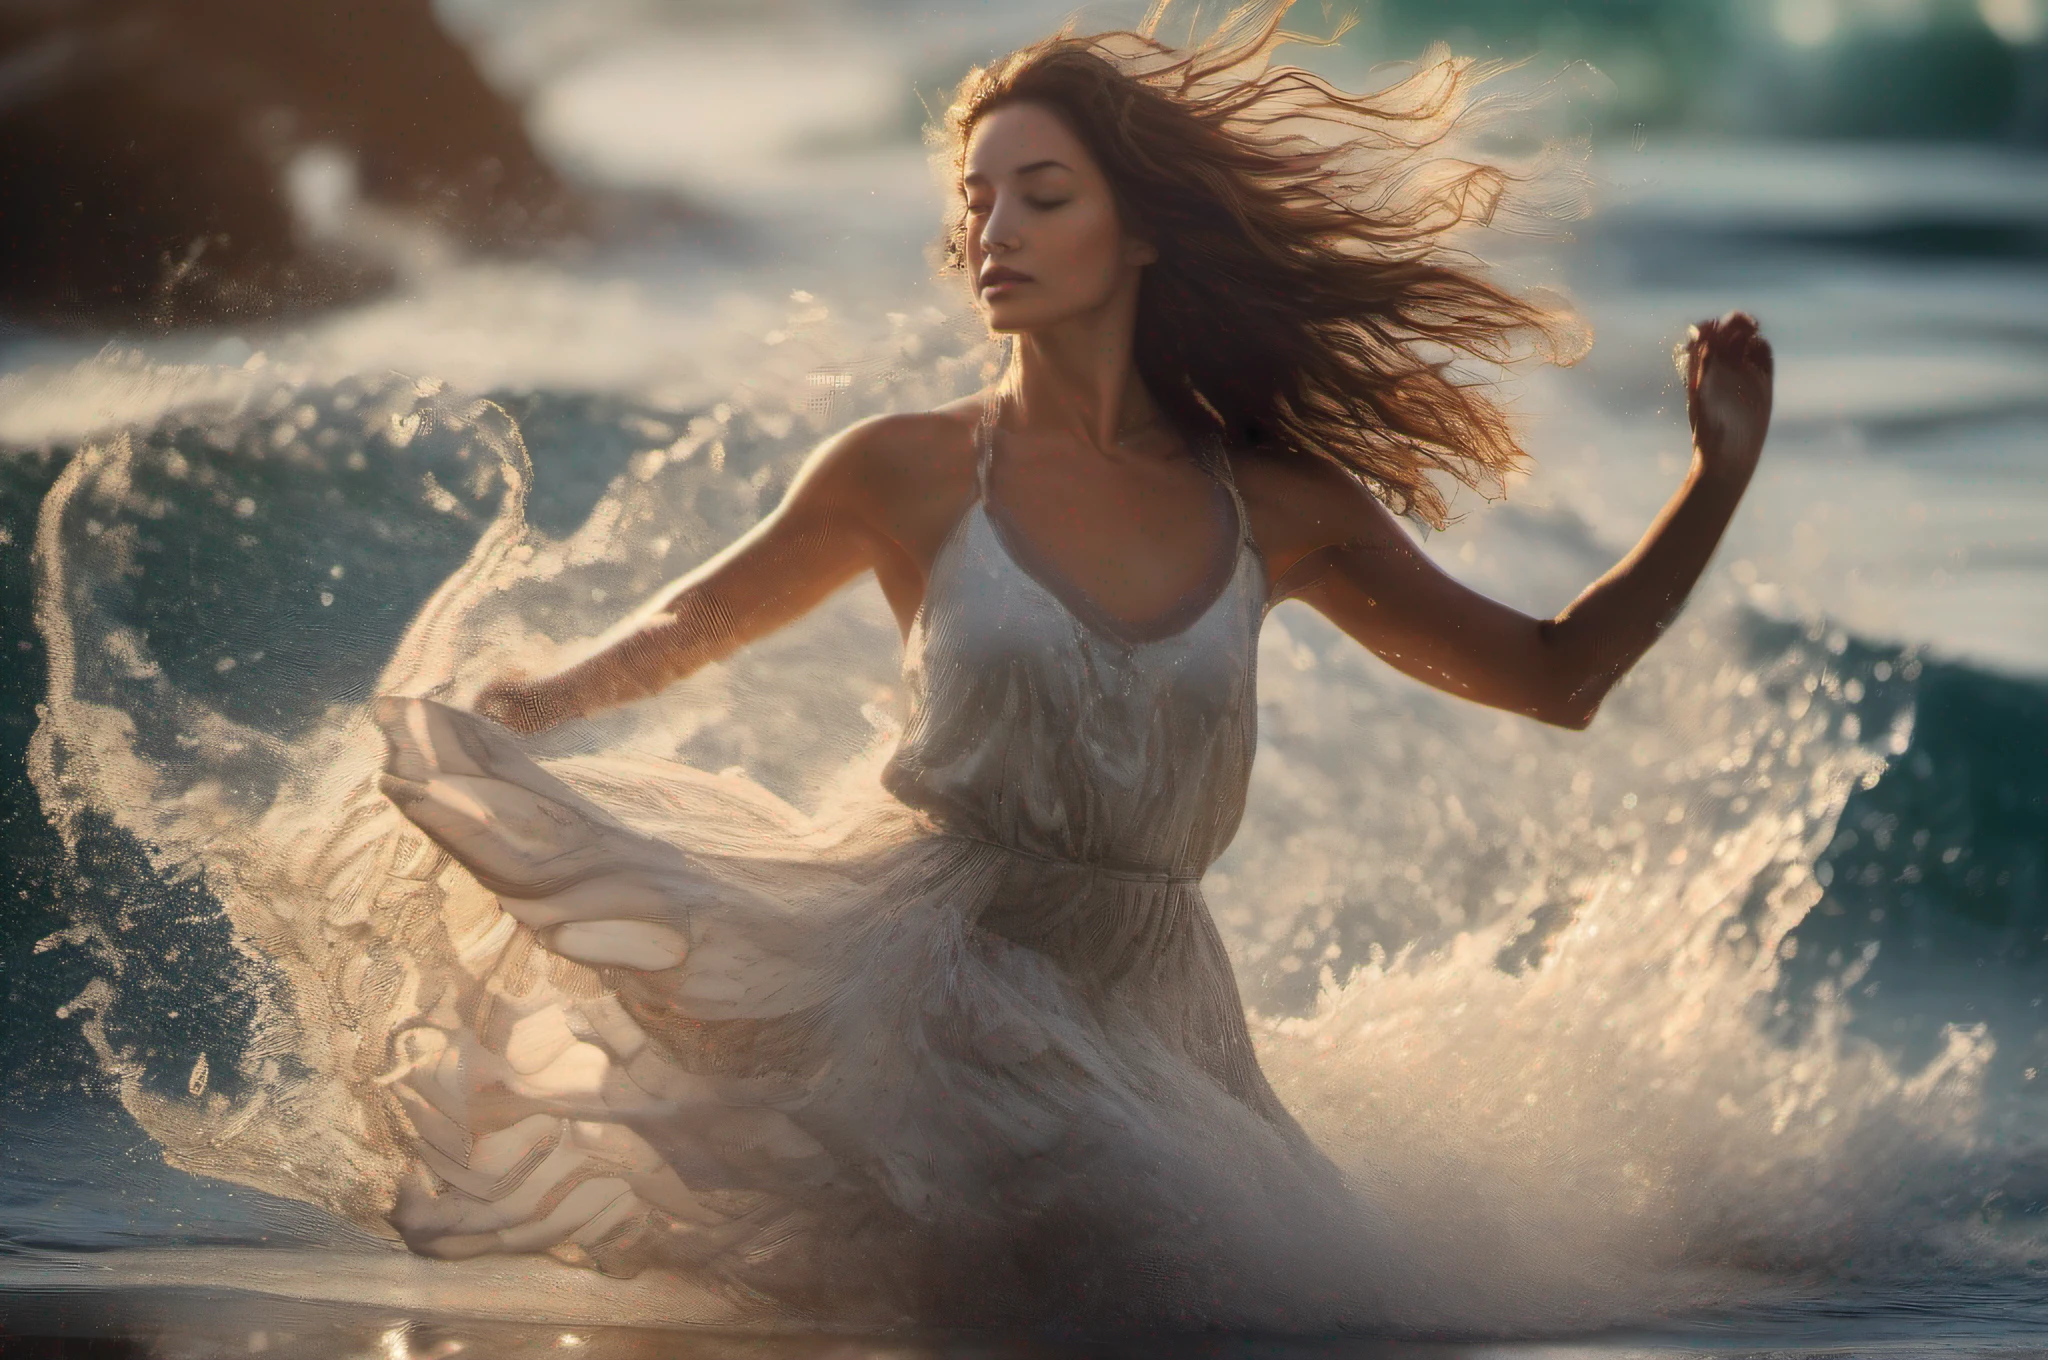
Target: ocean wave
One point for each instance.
(1610, 988)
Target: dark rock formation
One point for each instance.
(143, 145)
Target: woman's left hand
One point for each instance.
(1727, 366)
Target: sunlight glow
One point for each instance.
(2018, 22)
(1806, 23)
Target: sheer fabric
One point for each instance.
(972, 1055)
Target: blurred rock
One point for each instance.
(146, 145)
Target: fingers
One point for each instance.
(1733, 339)
(503, 708)
(1687, 356)
(1737, 326)
(1725, 332)
(517, 704)
(1757, 353)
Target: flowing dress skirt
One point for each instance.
(871, 1073)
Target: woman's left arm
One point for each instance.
(1381, 589)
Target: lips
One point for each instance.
(991, 278)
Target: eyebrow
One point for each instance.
(1033, 168)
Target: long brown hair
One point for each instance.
(1306, 299)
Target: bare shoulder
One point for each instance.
(1300, 506)
(906, 477)
(906, 447)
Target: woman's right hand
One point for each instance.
(526, 706)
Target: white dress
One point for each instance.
(974, 1056)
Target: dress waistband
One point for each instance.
(1117, 871)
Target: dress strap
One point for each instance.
(1217, 455)
(984, 448)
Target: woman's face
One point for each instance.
(1044, 243)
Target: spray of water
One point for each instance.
(1527, 987)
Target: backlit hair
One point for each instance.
(1306, 300)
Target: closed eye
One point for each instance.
(982, 209)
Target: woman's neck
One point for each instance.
(1079, 380)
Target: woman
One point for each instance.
(978, 1055)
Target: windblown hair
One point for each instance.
(1306, 300)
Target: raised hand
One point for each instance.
(1727, 368)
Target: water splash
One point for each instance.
(1529, 986)
(219, 594)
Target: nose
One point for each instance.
(998, 230)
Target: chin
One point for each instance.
(1012, 318)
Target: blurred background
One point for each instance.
(248, 244)
(173, 162)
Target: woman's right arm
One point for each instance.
(819, 538)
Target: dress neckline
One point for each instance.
(1081, 605)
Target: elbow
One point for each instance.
(1575, 707)
(1573, 697)
(1573, 717)
(1572, 711)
